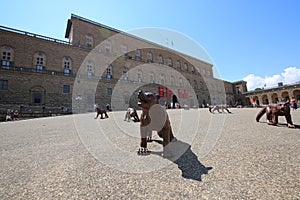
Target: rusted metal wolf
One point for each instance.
(274, 110)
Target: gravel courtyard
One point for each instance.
(220, 156)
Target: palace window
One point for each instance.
(3, 84)
(37, 97)
(109, 91)
(137, 54)
(185, 67)
(37, 94)
(160, 59)
(140, 76)
(109, 72)
(90, 69)
(67, 65)
(66, 89)
(180, 82)
(195, 84)
(125, 73)
(89, 41)
(193, 69)
(107, 46)
(178, 65)
(208, 73)
(152, 78)
(40, 61)
(170, 63)
(149, 57)
(7, 57)
(162, 79)
(172, 81)
(201, 85)
(124, 50)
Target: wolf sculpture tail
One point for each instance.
(260, 113)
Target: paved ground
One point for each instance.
(78, 157)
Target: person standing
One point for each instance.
(8, 115)
(294, 103)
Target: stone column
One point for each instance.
(269, 96)
(260, 99)
(291, 94)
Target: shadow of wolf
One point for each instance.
(186, 160)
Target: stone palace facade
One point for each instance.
(101, 65)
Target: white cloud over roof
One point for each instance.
(290, 75)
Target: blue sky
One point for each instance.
(257, 41)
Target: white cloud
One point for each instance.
(290, 75)
(253, 81)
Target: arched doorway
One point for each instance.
(265, 99)
(285, 96)
(37, 95)
(174, 101)
(248, 101)
(296, 94)
(274, 98)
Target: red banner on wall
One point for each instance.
(186, 94)
(161, 91)
(169, 93)
(180, 93)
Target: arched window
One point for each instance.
(149, 57)
(195, 84)
(193, 69)
(178, 65)
(137, 54)
(160, 59)
(162, 79)
(39, 61)
(140, 76)
(7, 58)
(67, 65)
(90, 69)
(172, 81)
(109, 72)
(89, 40)
(125, 73)
(108, 46)
(201, 85)
(124, 50)
(152, 77)
(185, 67)
(170, 63)
(180, 82)
(208, 73)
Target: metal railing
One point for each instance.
(32, 70)
(34, 35)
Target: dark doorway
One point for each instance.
(174, 101)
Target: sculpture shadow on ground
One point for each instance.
(282, 125)
(285, 125)
(187, 161)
